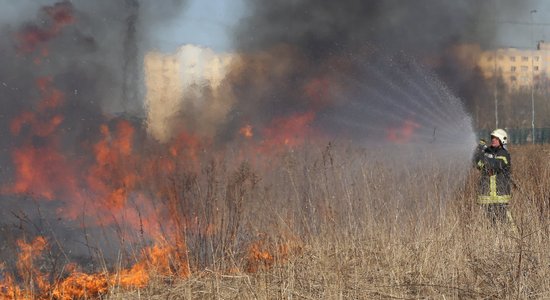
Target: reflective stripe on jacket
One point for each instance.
(495, 165)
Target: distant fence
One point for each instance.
(521, 135)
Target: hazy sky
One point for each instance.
(516, 27)
(210, 22)
(203, 22)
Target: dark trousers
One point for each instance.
(497, 213)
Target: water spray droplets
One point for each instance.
(385, 97)
(403, 112)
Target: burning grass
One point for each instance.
(336, 222)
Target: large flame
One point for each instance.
(114, 185)
(79, 285)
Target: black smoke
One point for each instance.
(329, 27)
(297, 41)
(105, 44)
(95, 60)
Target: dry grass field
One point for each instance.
(330, 225)
(326, 222)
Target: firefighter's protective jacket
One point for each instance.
(495, 165)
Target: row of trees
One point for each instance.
(458, 68)
(514, 110)
(513, 105)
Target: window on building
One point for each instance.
(524, 58)
(512, 68)
(512, 58)
(524, 68)
(489, 58)
(536, 58)
(513, 78)
(536, 68)
(523, 79)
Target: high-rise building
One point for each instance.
(175, 83)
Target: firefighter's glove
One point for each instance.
(482, 145)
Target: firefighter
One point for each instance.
(494, 162)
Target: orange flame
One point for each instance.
(246, 131)
(40, 127)
(258, 257)
(33, 37)
(262, 255)
(61, 14)
(288, 131)
(137, 276)
(404, 133)
(186, 145)
(155, 260)
(112, 152)
(81, 286)
(10, 290)
(25, 262)
(38, 173)
(17, 123)
(39, 122)
(51, 97)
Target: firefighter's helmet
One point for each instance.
(501, 135)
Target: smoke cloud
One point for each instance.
(294, 51)
(321, 29)
(105, 43)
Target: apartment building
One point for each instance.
(518, 68)
(174, 82)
